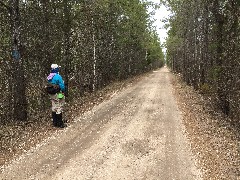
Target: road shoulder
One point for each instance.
(213, 140)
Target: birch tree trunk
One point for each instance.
(94, 58)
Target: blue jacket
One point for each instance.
(57, 79)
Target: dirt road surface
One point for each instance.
(137, 134)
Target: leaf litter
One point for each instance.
(214, 140)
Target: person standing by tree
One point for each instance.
(56, 89)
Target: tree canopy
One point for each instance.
(203, 45)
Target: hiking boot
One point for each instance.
(60, 121)
(63, 125)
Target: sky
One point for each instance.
(161, 14)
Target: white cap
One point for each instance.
(54, 66)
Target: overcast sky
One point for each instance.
(161, 14)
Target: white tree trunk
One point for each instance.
(94, 59)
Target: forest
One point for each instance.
(203, 46)
(135, 107)
(94, 42)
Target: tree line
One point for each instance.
(203, 45)
(95, 42)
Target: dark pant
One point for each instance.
(57, 120)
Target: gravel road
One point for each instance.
(137, 134)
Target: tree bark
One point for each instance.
(19, 83)
(66, 45)
(221, 90)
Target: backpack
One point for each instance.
(52, 88)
